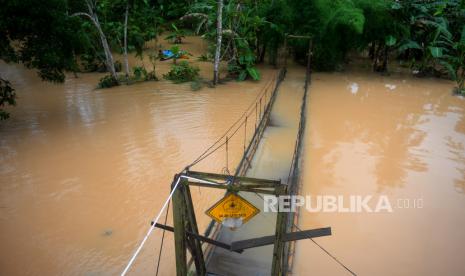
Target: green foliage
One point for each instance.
(141, 74)
(93, 62)
(7, 97)
(436, 37)
(453, 60)
(390, 41)
(41, 35)
(408, 44)
(152, 75)
(196, 84)
(178, 53)
(182, 72)
(277, 17)
(205, 57)
(107, 82)
(428, 34)
(175, 50)
(243, 22)
(244, 68)
(118, 66)
(431, 27)
(171, 10)
(176, 35)
(143, 22)
(337, 27)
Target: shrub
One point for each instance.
(244, 67)
(7, 97)
(196, 85)
(139, 72)
(182, 72)
(118, 66)
(205, 57)
(94, 63)
(151, 76)
(107, 82)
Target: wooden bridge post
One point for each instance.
(281, 226)
(179, 218)
(196, 246)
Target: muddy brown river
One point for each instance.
(82, 171)
(399, 137)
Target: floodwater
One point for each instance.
(83, 171)
(399, 137)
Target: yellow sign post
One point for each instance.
(232, 206)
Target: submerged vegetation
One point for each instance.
(7, 97)
(55, 36)
(182, 72)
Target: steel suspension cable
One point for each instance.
(321, 247)
(152, 227)
(162, 238)
(248, 110)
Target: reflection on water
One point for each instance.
(83, 171)
(396, 136)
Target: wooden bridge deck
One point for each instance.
(272, 160)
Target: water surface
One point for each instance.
(397, 136)
(83, 171)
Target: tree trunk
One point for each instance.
(261, 58)
(219, 23)
(371, 51)
(92, 15)
(385, 59)
(106, 48)
(126, 63)
(461, 81)
(375, 57)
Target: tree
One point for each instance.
(125, 46)
(240, 25)
(219, 33)
(40, 35)
(176, 35)
(91, 14)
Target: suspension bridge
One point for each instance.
(265, 245)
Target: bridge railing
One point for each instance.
(294, 183)
(214, 228)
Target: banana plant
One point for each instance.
(241, 26)
(430, 32)
(176, 35)
(454, 60)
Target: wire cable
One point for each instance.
(162, 239)
(202, 156)
(321, 247)
(246, 113)
(152, 227)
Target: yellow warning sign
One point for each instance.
(232, 206)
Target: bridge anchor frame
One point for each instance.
(185, 229)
